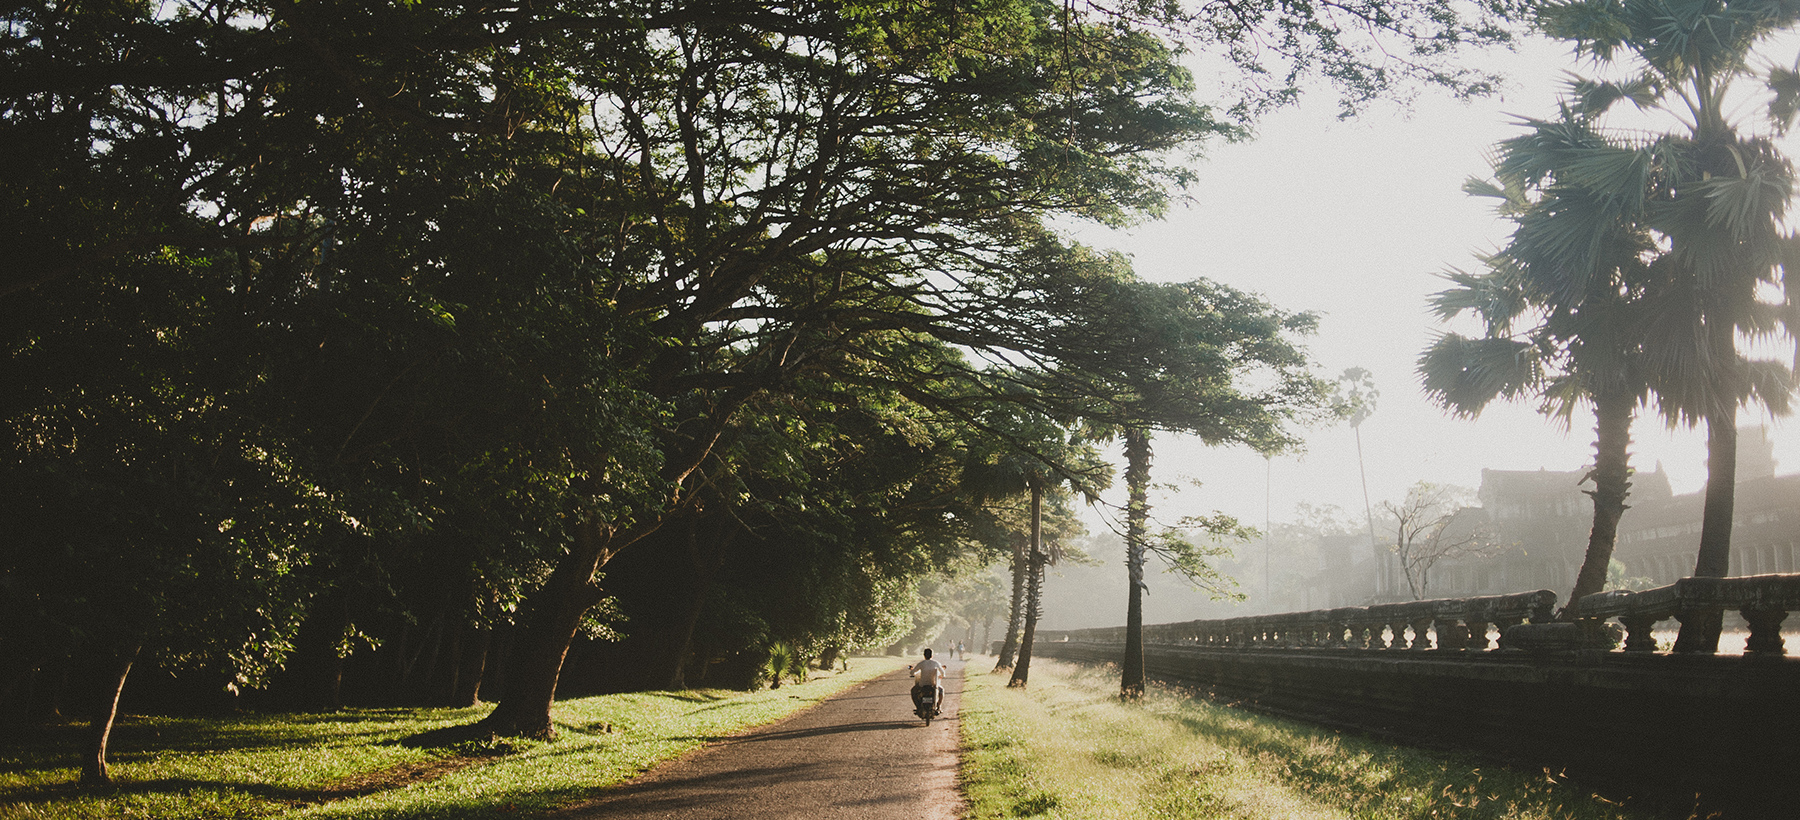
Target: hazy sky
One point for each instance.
(1352, 220)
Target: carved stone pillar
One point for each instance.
(1452, 635)
(1765, 631)
(1421, 633)
(1638, 628)
(1503, 623)
(1477, 635)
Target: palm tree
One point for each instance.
(1718, 197)
(1354, 398)
(1562, 305)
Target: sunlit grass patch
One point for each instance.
(352, 764)
(1067, 748)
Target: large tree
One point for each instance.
(557, 249)
(1193, 357)
(1565, 304)
(1718, 197)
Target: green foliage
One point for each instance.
(1637, 259)
(1714, 196)
(1617, 578)
(1198, 563)
(1353, 395)
(783, 663)
(415, 305)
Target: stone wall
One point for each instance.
(1659, 728)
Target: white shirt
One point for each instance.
(929, 672)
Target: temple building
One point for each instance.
(1538, 523)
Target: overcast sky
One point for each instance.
(1352, 220)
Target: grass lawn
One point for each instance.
(1067, 748)
(352, 764)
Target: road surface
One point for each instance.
(860, 755)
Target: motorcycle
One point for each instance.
(927, 705)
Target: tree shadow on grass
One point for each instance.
(136, 738)
(361, 785)
(691, 696)
(466, 740)
(69, 790)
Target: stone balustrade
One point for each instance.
(1466, 624)
(1450, 624)
(1763, 600)
(1714, 734)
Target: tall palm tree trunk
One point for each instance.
(1034, 585)
(1137, 514)
(1700, 632)
(1612, 485)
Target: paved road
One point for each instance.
(859, 755)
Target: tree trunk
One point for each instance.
(113, 673)
(1612, 485)
(50, 688)
(417, 682)
(315, 675)
(1700, 632)
(1034, 586)
(493, 677)
(471, 667)
(34, 683)
(705, 562)
(392, 692)
(1137, 514)
(541, 642)
(447, 682)
(1009, 646)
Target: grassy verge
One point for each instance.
(1067, 748)
(352, 764)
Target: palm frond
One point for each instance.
(1591, 98)
(1465, 375)
(1784, 90)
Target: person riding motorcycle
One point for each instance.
(930, 673)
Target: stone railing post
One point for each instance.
(1639, 632)
(1476, 633)
(1763, 600)
(1451, 634)
(1765, 631)
(1503, 622)
(1421, 631)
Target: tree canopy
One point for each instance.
(394, 325)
